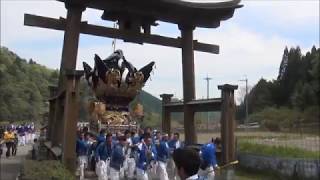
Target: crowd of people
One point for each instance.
(13, 136)
(143, 155)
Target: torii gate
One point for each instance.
(135, 19)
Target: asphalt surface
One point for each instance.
(10, 167)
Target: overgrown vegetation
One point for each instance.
(284, 118)
(292, 99)
(40, 170)
(276, 151)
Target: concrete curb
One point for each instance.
(288, 167)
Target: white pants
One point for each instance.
(102, 168)
(22, 140)
(83, 163)
(142, 174)
(124, 168)
(33, 136)
(172, 168)
(162, 170)
(114, 174)
(122, 172)
(152, 172)
(28, 138)
(131, 167)
(207, 174)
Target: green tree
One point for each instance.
(260, 96)
(23, 87)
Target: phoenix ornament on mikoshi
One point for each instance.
(115, 81)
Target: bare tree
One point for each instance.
(241, 93)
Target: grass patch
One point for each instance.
(49, 169)
(276, 151)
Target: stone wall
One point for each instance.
(289, 167)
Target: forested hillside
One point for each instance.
(23, 87)
(152, 109)
(293, 97)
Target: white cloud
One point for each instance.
(242, 52)
(12, 14)
(12, 20)
(287, 13)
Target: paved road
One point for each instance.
(10, 167)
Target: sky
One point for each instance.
(251, 43)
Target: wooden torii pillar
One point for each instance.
(52, 102)
(188, 82)
(71, 113)
(69, 83)
(228, 123)
(66, 101)
(166, 123)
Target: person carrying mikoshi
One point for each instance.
(162, 156)
(103, 155)
(82, 148)
(117, 158)
(147, 158)
(129, 163)
(174, 143)
(208, 160)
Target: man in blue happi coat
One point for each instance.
(174, 144)
(157, 137)
(82, 148)
(104, 150)
(103, 155)
(101, 137)
(117, 158)
(22, 135)
(162, 156)
(147, 157)
(208, 161)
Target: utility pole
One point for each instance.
(246, 100)
(208, 82)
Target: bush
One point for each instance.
(49, 169)
(311, 114)
(275, 119)
(276, 151)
